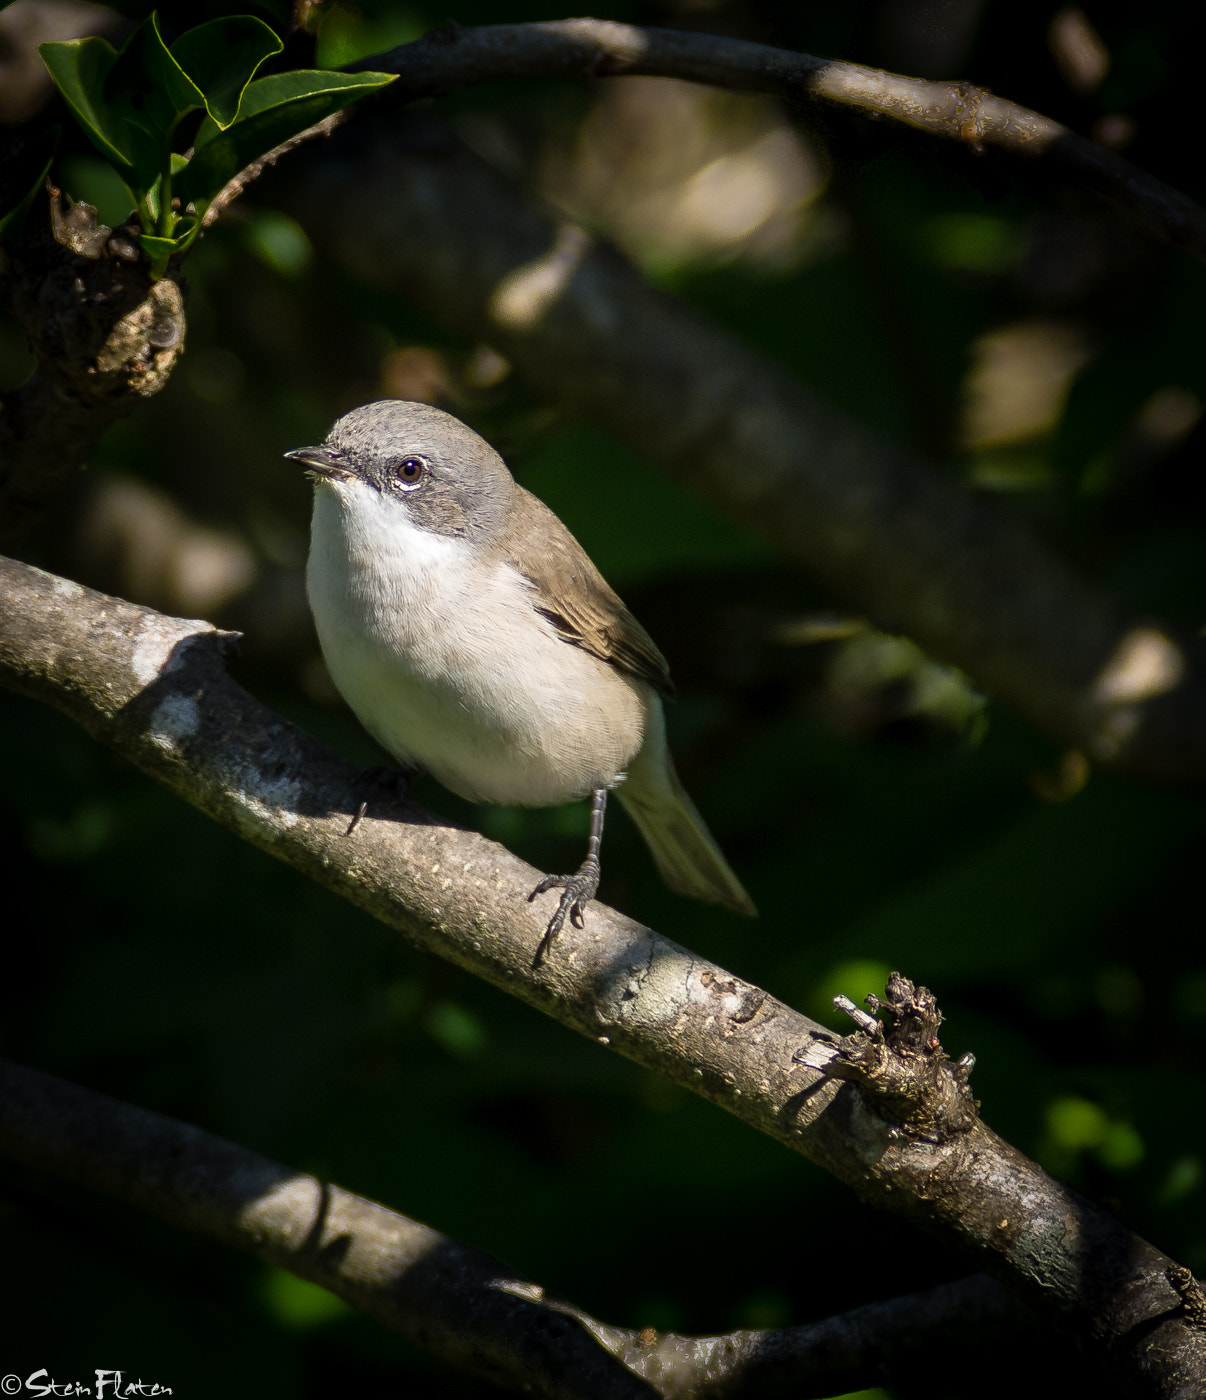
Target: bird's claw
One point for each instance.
(577, 890)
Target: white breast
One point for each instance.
(444, 660)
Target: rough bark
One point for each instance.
(104, 337)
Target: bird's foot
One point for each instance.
(398, 780)
(577, 890)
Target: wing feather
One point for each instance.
(575, 597)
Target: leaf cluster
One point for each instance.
(131, 103)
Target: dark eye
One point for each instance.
(410, 471)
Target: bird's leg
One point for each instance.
(397, 779)
(579, 888)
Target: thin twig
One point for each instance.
(235, 187)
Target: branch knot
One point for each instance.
(903, 1067)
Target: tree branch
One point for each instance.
(412, 211)
(456, 1301)
(454, 57)
(452, 1300)
(155, 689)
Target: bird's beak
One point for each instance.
(324, 462)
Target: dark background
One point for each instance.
(1016, 331)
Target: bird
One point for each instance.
(473, 638)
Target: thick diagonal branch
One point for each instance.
(155, 689)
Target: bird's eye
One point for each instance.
(410, 471)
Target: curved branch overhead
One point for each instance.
(155, 689)
(454, 57)
(410, 210)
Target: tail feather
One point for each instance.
(684, 850)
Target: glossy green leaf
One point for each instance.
(148, 201)
(159, 249)
(156, 247)
(147, 89)
(127, 102)
(221, 58)
(273, 110)
(147, 65)
(79, 69)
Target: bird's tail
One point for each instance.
(684, 850)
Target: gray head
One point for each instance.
(448, 479)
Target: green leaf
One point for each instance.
(127, 102)
(149, 207)
(79, 69)
(150, 92)
(23, 177)
(156, 247)
(273, 110)
(221, 58)
(159, 249)
(169, 83)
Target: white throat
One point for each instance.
(363, 545)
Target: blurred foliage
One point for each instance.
(883, 814)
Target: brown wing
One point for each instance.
(575, 597)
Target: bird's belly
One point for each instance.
(529, 720)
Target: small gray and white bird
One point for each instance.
(473, 638)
